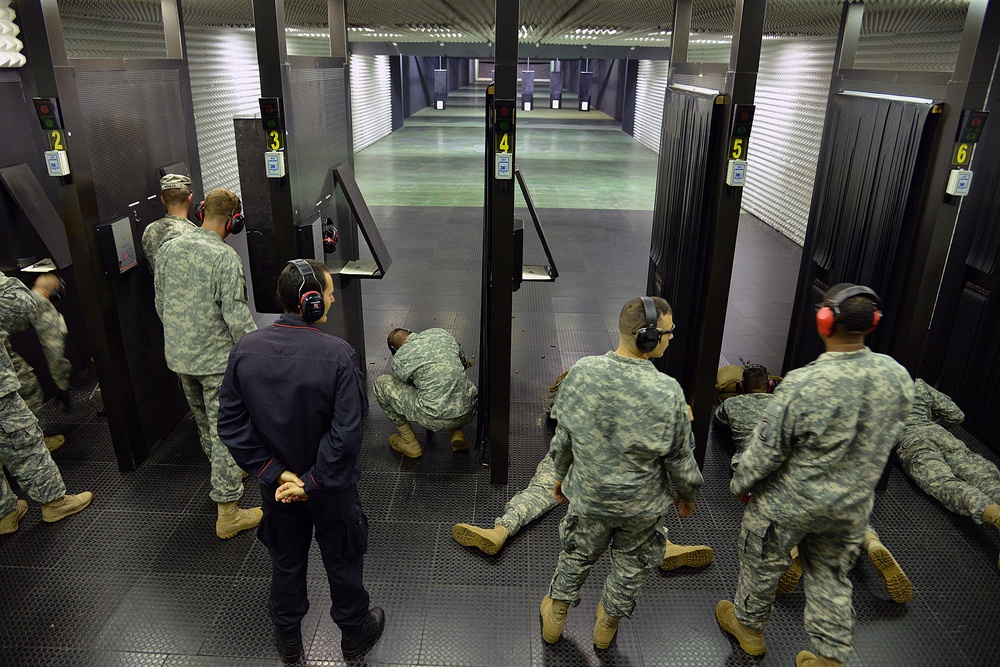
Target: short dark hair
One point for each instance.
(856, 313)
(175, 196)
(291, 289)
(633, 315)
(397, 337)
(754, 378)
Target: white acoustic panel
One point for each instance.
(650, 86)
(225, 84)
(793, 84)
(371, 100)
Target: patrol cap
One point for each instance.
(175, 182)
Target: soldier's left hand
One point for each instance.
(558, 494)
(684, 507)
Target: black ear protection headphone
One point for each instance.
(58, 293)
(330, 238)
(648, 337)
(394, 350)
(236, 221)
(828, 312)
(771, 383)
(311, 306)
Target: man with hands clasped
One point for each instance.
(291, 411)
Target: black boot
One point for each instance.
(289, 645)
(359, 641)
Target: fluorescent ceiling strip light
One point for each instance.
(695, 89)
(884, 96)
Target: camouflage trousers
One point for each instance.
(28, 461)
(941, 465)
(828, 548)
(399, 402)
(532, 502)
(636, 543)
(202, 393)
(31, 390)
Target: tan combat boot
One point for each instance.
(458, 442)
(807, 659)
(233, 520)
(895, 580)
(54, 442)
(487, 540)
(405, 442)
(675, 556)
(65, 506)
(790, 579)
(751, 641)
(10, 520)
(991, 515)
(605, 627)
(553, 613)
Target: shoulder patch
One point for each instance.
(763, 429)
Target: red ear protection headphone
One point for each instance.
(771, 383)
(310, 301)
(828, 312)
(330, 238)
(236, 221)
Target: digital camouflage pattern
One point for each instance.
(202, 393)
(22, 449)
(533, 501)
(637, 545)
(31, 390)
(940, 463)
(159, 232)
(623, 433)
(625, 429)
(428, 384)
(740, 415)
(201, 297)
(50, 327)
(812, 466)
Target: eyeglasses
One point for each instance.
(663, 332)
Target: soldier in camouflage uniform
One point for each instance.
(535, 500)
(739, 415)
(428, 385)
(941, 464)
(21, 447)
(50, 327)
(810, 470)
(623, 434)
(175, 193)
(201, 297)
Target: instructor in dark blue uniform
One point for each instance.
(291, 411)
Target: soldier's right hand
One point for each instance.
(558, 494)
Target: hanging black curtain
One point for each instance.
(681, 221)
(870, 175)
(971, 356)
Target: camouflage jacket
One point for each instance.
(826, 435)
(159, 232)
(623, 434)
(931, 408)
(434, 363)
(16, 301)
(50, 327)
(201, 297)
(740, 415)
